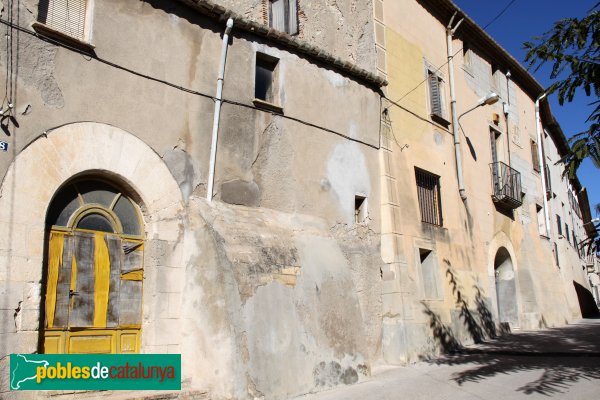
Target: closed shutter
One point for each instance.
(534, 156)
(66, 16)
(434, 95)
(293, 17)
(277, 17)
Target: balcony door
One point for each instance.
(495, 144)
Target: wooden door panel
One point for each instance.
(82, 306)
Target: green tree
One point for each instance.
(572, 48)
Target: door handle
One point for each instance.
(73, 293)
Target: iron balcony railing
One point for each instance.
(506, 185)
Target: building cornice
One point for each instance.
(219, 13)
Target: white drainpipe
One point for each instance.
(455, 132)
(218, 98)
(538, 128)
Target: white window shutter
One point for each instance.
(278, 15)
(434, 94)
(66, 16)
(293, 17)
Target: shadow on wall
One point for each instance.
(562, 356)
(587, 304)
(478, 322)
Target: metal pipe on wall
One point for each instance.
(455, 132)
(218, 101)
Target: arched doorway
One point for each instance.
(506, 289)
(94, 274)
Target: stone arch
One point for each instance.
(503, 273)
(506, 289)
(33, 178)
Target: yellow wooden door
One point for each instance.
(94, 293)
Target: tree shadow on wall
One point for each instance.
(478, 322)
(564, 356)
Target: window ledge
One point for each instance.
(440, 120)
(52, 33)
(268, 106)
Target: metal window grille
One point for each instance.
(66, 16)
(428, 192)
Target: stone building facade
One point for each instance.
(272, 288)
(464, 238)
(311, 261)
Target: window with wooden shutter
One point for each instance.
(435, 98)
(283, 15)
(428, 193)
(534, 157)
(66, 16)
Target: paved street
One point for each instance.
(562, 363)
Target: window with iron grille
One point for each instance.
(66, 16)
(283, 15)
(534, 157)
(428, 193)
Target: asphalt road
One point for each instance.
(561, 363)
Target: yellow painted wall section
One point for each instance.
(55, 260)
(405, 71)
(102, 280)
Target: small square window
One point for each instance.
(266, 91)
(283, 15)
(360, 209)
(68, 17)
(428, 193)
(430, 274)
(466, 54)
(66, 21)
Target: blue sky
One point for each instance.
(521, 21)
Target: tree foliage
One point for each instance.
(572, 48)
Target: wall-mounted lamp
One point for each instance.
(488, 100)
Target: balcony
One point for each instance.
(506, 186)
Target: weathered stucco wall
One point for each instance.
(343, 27)
(425, 311)
(239, 290)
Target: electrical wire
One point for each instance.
(93, 56)
(499, 14)
(444, 64)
